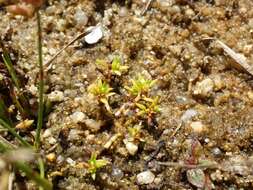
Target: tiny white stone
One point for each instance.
(204, 88)
(81, 17)
(131, 147)
(188, 115)
(47, 133)
(94, 36)
(78, 116)
(52, 140)
(56, 96)
(145, 177)
(70, 161)
(197, 127)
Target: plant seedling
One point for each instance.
(135, 132)
(117, 68)
(94, 165)
(140, 85)
(148, 108)
(102, 91)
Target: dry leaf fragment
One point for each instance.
(239, 58)
(35, 3)
(24, 10)
(24, 124)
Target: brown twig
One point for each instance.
(146, 7)
(49, 63)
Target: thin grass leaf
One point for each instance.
(39, 180)
(4, 113)
(14, 133)
(23, 108)
(11, 70)
(41, 84)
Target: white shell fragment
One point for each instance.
(145, 177)
(94, 36)
(240, 59)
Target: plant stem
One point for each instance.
(42, 170)
(14, 133)
(41, 84)
(33, 175)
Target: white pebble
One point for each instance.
(52, 140)
(197, 127)
(94, 36)
(47, 133)
(56, 96)
(81, 18)
(131, 147)
(204, 88)
(145, 177)
(70, 161)
(188, 115)
(77, 117)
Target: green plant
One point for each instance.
(148, 108)
(140, 85)
(102, 91)
(135, 132)
(18, 164)
(94, 165)
(117, 68)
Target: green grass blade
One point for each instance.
(11, 70)
(14, 133)
(45, 184)
(39, 180)
(41, 84)
(4, 113)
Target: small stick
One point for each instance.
(177, 129)
(48, 64)
(146, 7)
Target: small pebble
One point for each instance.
(56, 96)
(94, 36)
(204, 88)
(70, 161)
(80, 18)
(117, 173)
(197, 127)
(51, 157)
(78, 117)
(131, 147)
(47, 133)
(145, 177)
(52, 140)
(188, 115)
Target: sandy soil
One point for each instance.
(204, 101)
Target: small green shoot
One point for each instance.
(101, 64)
(94, 165)
(135, 132)
(102, 91)
(148, 108)
(117, 68)
(140, 85)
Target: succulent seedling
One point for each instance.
(102, 91)
(94, 165)
(140, 86)
(117, 68)
(148, 108)
(135, 133)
